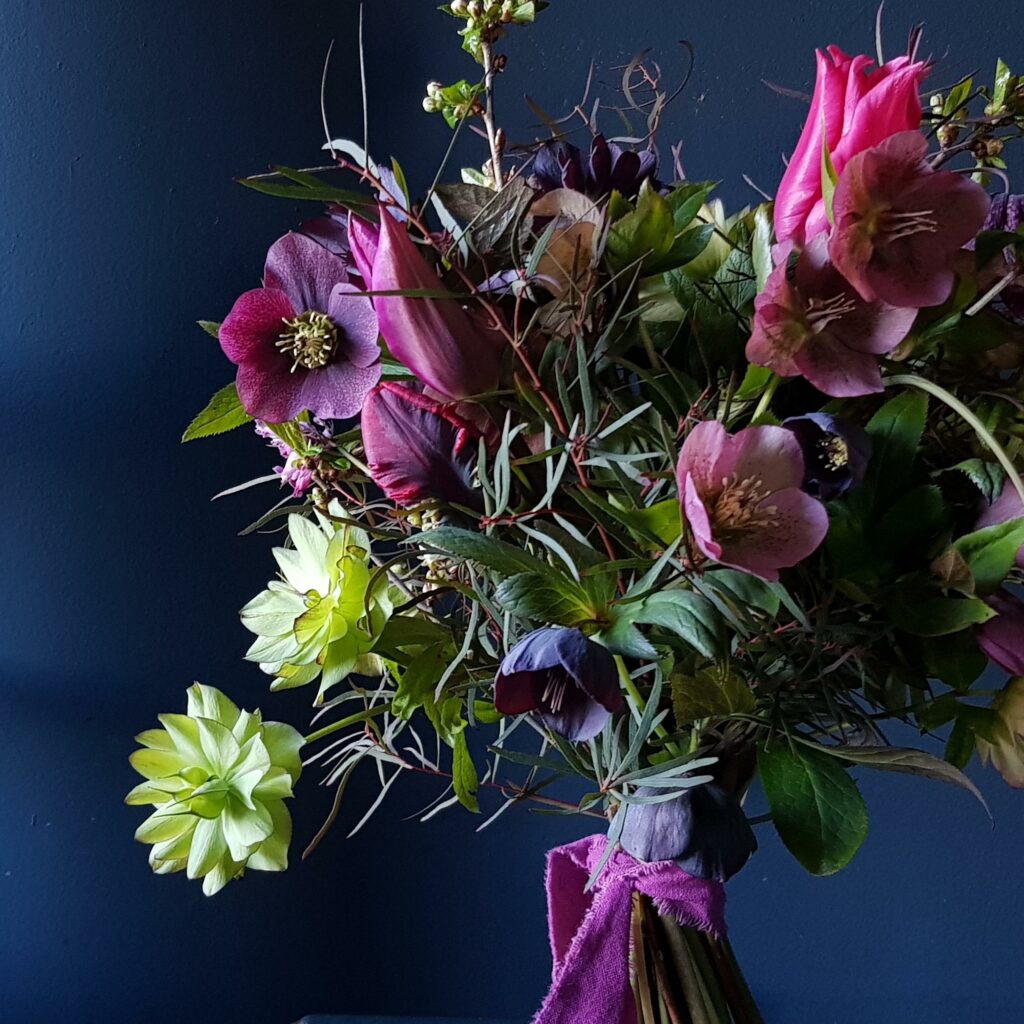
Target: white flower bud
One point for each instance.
(459, 7)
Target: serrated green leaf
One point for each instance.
(712, 693)
(990, 552)
(816, 807)
(464, 775)
(224, 412)
(689, 616)
(937, 616)
(549, 598)
(895, 431)
(493, 554)
(988, 477)
(212, 327)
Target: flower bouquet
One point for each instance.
(602, 500)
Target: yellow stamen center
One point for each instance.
(309, 340)
(737, 510)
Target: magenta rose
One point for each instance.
(855, 106)
(742, 497)
(306, 340)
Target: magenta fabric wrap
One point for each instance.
(590, 931)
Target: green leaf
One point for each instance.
(991, 552)
(319, 193)
(288, 432)
(907, 761)
(687, 615)
(416, 684)
(648, 232)
(816, 807)
(212, 327)
(961, 743)
(956, 659)
(549, 598)
(755, 380)
(742, 589)
(896, 431)
(937, 616)
(663, 520)
(496, 555)
(224, 412)
(829, 178)
(464, 775)
(712, 693)
(988, 477)
(687, 200)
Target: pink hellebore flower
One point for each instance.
(811, 323)
(855, 106)
(306, 340)
(741, 496)
(446, 346)
(899, 224)
(419, 449)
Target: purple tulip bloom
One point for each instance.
(419, 449)
(899, 225)
(836, 453)
(569, 681)
(742, 496)
(810, 322)
(609, 167)
(1002, 638)
(306, 340)
(440, 340)
(704, 830)
(1006, 507)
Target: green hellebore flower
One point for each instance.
(218, 778)
(320, 619)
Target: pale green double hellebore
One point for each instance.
(320, 619)
(218, 777)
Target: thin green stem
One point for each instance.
(766, 397)
(344, 723)
(631, 688)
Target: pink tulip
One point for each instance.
(742, 497)
(856, 106)
(449, 348)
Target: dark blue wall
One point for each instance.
(121, 127)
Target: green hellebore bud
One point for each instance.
(218, 778)
(458, 7)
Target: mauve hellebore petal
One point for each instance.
(418, 449)
(855, 105)
(438, 339)
(571, 682)
(1002, 638)
(899, 224)
(809, 321)
(742, 498)
(836, 453)
(306, 340)
(704, 830)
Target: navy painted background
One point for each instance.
(121, 127)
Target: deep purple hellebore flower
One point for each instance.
(809, 321)
(306, 340)
(1002, 638)
(836, 453)
(570, 682)
(560, 164)
(419, 449)
(704, 830)
(446, 346)
(742, 496)
(899, 224)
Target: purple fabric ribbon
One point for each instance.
(590, 931)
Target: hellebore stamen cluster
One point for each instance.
(310, 338)
(821, 312)
(737, 508)
(894, 224)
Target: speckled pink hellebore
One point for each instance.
(899, 225)
(742, 497)
(449, 348)
(307, 339)
(809, 322)
(855, 106)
